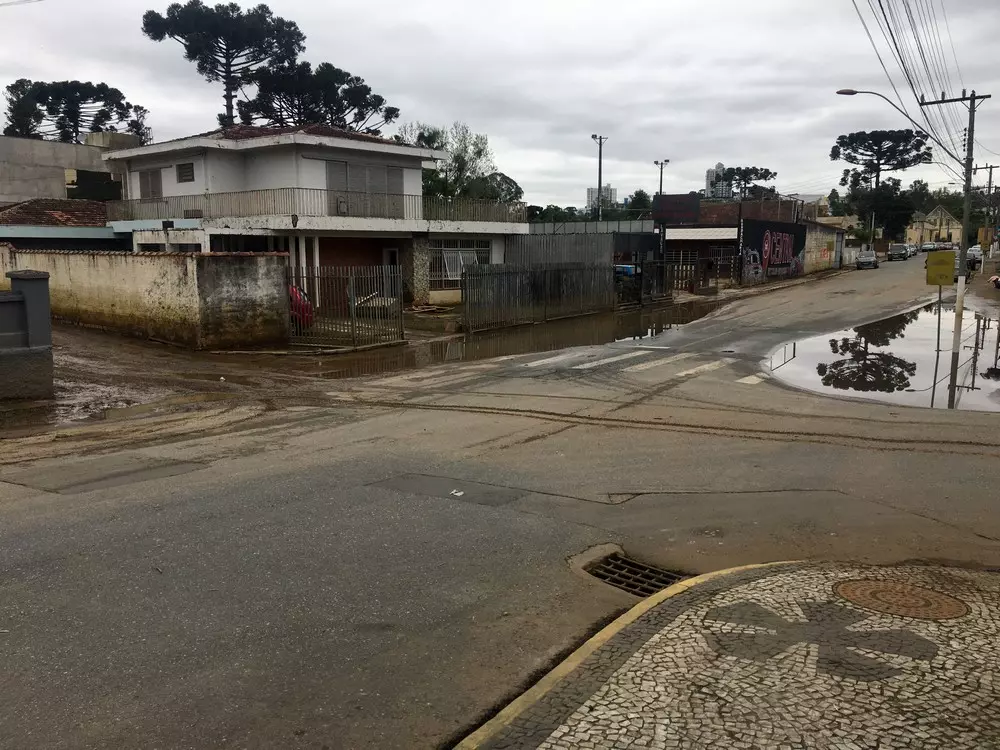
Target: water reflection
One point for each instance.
(590, 330)
(864, 368)
(901, 360)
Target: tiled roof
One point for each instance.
(55, 212)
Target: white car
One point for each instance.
(974, 256)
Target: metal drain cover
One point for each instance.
(632, 576)
(903, 599)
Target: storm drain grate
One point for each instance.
(632, 576)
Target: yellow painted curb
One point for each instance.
(534, 694)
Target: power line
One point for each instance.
(18, 2)
(944, 14)
(877, 53)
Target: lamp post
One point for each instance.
(661, 164)
(599, 140)
(967, 166)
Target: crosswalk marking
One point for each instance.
(704, 368)
(642, 366)
(751, 380)
(553, 360)
(609, 360)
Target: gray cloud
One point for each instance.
(695, 82)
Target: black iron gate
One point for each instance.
(345, 306)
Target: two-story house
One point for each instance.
(325, 196)
(935, 226)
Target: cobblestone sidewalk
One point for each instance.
(783, 656)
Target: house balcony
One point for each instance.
(308, 202)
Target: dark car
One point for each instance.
(897, 252)
(301, 309)
(867, 259)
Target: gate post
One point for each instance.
(351, 303)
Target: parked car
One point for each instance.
(912, 250)
(974, 255)
(867, 259)
(928, 247)
(897, 252)
(301, 309)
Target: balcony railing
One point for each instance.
(313, 202)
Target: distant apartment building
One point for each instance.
(609, 196)
(714, 189)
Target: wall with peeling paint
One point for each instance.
(199, 300)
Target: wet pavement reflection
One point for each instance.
(588, 330)
(904, 359)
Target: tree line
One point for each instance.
(254, 50)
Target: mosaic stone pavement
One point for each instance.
(790, 656)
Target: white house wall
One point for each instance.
(226, 172)
(168, 175)
(272, 168)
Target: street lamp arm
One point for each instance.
(851, 92)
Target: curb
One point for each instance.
(536, 692)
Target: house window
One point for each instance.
(185, 172)
(449, 257)
(151, 184)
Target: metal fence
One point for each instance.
(349, 306)
(542, 249)
(497, 296)
(315, 202)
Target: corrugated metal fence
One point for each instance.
(348, 306)
(497, 296)
(543, 249)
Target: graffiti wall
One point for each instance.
(771, 250)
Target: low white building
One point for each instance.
(326, 196)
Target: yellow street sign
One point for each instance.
(941, 267)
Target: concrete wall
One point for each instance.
(37, 169)
(199, 300)
(242, 300)
(821, 246)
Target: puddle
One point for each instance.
(588, 330)
(900, 360)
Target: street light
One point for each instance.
(599, 140)
(852, 92)
(661, 164)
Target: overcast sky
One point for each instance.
(693, 81)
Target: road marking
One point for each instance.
(553, 360)
(704, 368)
(751, 379)
(658, 362)
(609, 360)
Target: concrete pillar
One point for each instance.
(315, 252)
(415, 259)
(34, 289)
(301, 242)
(26, 367)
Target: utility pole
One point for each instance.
(661, 164)
(600, 140)
(972, 101)
(990, 221)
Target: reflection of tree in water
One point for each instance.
(864, 370)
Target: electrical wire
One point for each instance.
(958, 68)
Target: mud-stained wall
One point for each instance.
(199, 300)
(242, 300)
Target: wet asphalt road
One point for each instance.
(380, 570)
